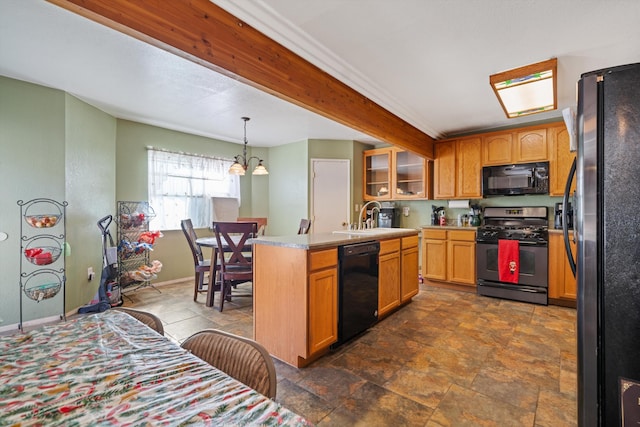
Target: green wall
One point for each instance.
(288, 187)
(40, 130)
(131, 184)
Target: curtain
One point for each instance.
(181, 186)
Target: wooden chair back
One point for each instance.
(200, 265)
(190, 234)
(261, 221)
(234, 258)
(241, 358)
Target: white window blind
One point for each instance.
(181, 186)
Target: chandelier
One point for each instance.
(241, 162)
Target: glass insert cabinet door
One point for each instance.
(377, 174)
(409, 175)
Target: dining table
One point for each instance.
(211, 242)
(110, 369)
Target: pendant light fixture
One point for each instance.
(241, 162)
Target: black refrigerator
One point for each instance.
(607, 231)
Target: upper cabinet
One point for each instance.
(560, 160)
(518, 146)
(377, 174)
(392, 174)
(457, 169)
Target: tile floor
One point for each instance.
(446, 359)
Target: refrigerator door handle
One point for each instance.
(565, 227)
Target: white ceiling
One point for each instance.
(427, 61)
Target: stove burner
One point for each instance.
(500, 225)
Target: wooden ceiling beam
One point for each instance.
(201, 31)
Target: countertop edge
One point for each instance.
(328, 240)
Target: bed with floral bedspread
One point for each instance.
(109, 369)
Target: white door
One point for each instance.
(330, 194)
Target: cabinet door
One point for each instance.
(469, 168)
(461, 267)
(531, 146)
(377, 174)
(497, 149)
(323, 309)
(409, 263)
(560, 160)
(562, 283)
(410, 175)
(389, 282)
(570, 285)
(444, 170)
(434, 254)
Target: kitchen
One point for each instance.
(104, 154)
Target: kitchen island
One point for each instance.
(295, 296)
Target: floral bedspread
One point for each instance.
(109, 369)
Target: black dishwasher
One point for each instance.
(357, 289)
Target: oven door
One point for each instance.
(533, 264)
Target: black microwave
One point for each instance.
(513, 180)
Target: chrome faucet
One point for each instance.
(378, 206)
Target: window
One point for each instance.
(181, 186)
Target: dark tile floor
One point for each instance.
(446, 359)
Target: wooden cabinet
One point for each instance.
(531, 146)
(410, 175)
(389, 276)
(377, 174)
(434, 254)
(410, 259)
(562, 283)
(560, 160)
(497, 149)
(449, 256)
(520, 146)
(461, 257)
(323, 300)
(458, 168)
(394, 174)
(295, 302)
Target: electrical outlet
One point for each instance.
(90, 273)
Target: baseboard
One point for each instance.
(452, 286)
(30, 323)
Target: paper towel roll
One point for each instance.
(459, 204)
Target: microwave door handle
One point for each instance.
(565, 215)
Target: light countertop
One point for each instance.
(449, 227)
(329, 240)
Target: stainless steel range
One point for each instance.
(523, 231)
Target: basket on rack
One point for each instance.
(43, 250)
(135, 215)
(46, 291)
(43, 255)
(42, 213)
(42, 285)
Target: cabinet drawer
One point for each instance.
(467, 236)
(323, 259)
(428, 233)
(408, 242)
(387, 246)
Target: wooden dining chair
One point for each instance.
(201, 265)
(261, 221)
(241, 358)
(305, 225)
(236, 257)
